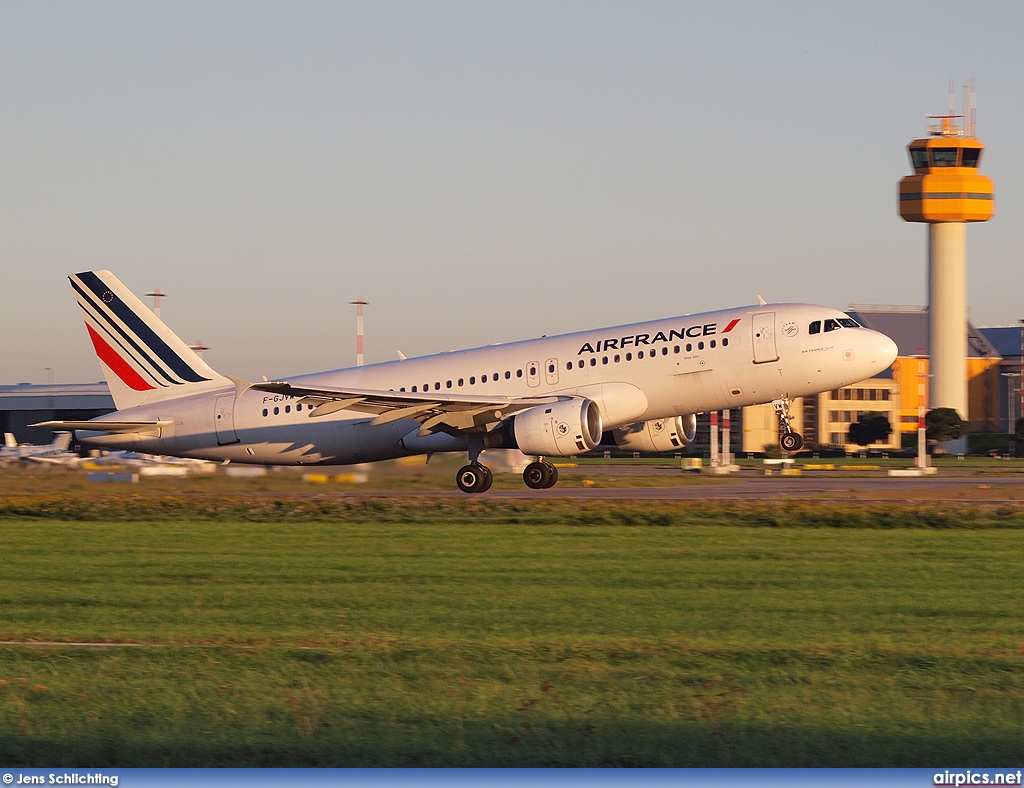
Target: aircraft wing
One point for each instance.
(106, 426)
(436, 412)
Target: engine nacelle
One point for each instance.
(657, 435)
(557, 430)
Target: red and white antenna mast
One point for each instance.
(156, 294)
(359, 303)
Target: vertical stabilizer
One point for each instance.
(142, 359)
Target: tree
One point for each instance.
(870, 428)
(944, 424)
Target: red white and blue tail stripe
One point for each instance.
(142, 359)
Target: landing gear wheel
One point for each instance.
(474, 478)
(791, 441)
(540, 475)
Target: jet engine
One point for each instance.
(657, 435)
(557, 430)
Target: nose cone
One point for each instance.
(883, 352)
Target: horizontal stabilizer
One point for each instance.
(106, 426)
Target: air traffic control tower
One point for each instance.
(946, 191)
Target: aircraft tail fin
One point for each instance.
(10, 441)
(142, 359)
(61, 441)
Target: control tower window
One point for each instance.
(832, 325)
(814, 328)
(944, 157)
(919, 157)
(970, 157)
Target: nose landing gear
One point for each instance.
(790, 440)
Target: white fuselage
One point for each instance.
(652, 370)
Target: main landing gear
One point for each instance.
(477, 478)
(474, 478)
(790, 440)
(540, 475)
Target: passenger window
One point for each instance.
(413, 389)
(640, 354)
(437, 385)
(447, 384)
(508, 375)
(712, 343)
(831, 325)
(483, 378)
(814, 328)
(460, 382)
(277, 411)
(568, 365)
(725, 341)
(551, 367)
(616, 359)
(533, 371)
(629, 357)
(496, 376)
(593, 362)
(581, 363)
(700, 346)
(299, 406)
(519, 373)
(675, 349)
(287, 408)
(264, 411)
(664, 351)
(472, 380)
(604, 360)
(689, 347)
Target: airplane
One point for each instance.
(12, 451)
(640, 385)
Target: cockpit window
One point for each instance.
(848, 322)
(814, 328)
(832, 325)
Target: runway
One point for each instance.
(1001, 489)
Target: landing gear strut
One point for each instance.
(790, 440)
(540, 475)
(474, 478)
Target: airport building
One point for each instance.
(27, 403)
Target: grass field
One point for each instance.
(479, 633)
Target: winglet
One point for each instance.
(401, 355)
(761, 301)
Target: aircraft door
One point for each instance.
(551, 371)
(533, 374)
(763, 328)
(224, 419)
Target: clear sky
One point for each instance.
(482, 171)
